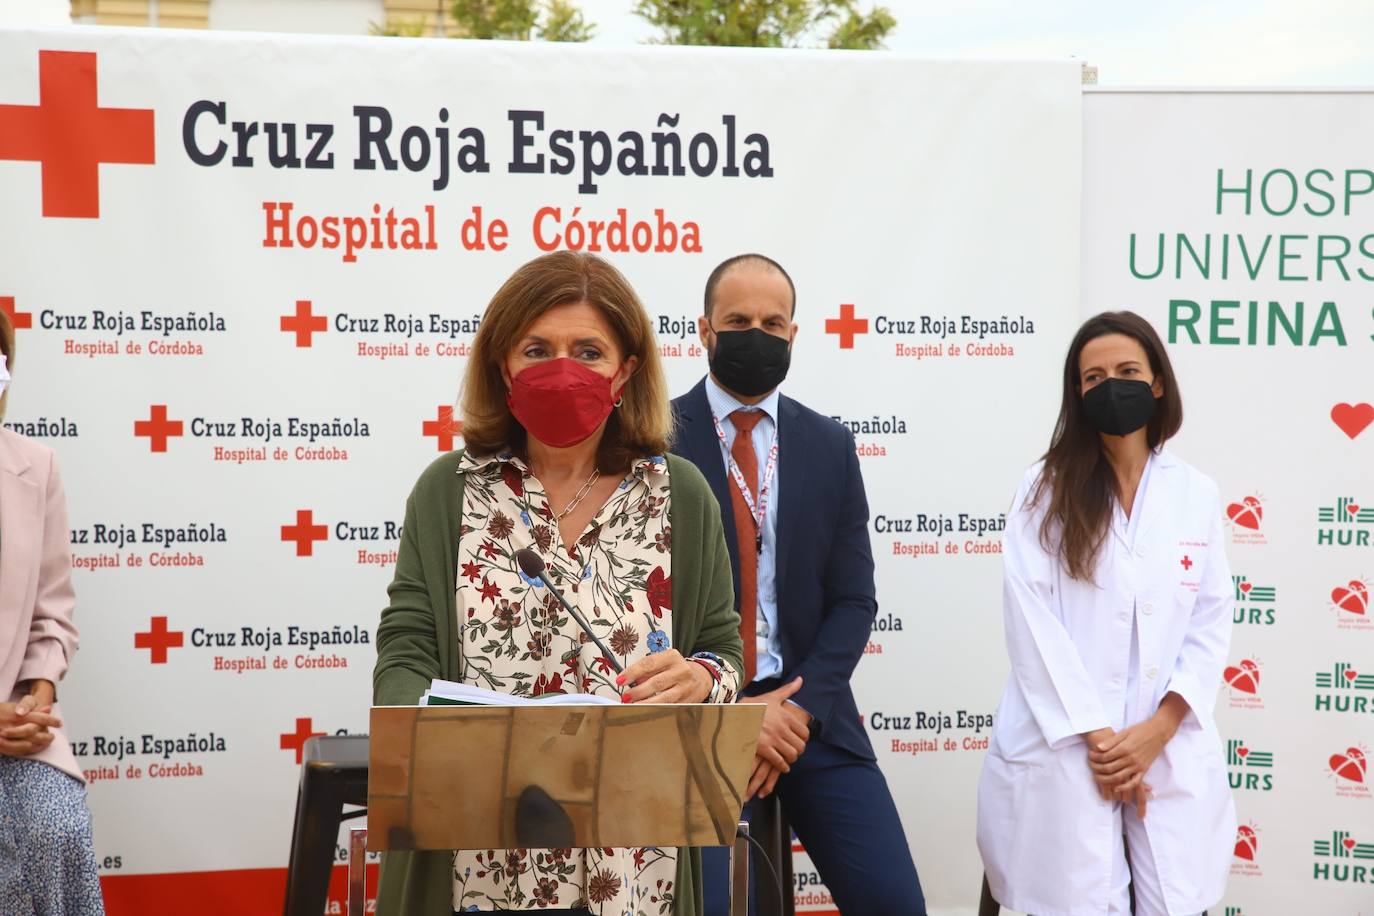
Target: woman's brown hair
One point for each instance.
(7, 348)
(641, 426)
(1079, 481)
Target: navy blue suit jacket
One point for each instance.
(826, 601)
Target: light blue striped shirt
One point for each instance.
(769, 657)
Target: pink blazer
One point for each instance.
(37, 638)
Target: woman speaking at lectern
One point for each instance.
(566, 425)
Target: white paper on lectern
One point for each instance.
(444, 693)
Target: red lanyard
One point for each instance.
(755, 512)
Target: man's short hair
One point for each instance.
(724, 267)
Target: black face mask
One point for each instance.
(1118, 407)
(751, 362)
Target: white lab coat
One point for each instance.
(1045, 834)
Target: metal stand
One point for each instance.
(739, 872)
(774, 834)
(357, 871)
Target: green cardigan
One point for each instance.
(416, 641)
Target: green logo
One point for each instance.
(1345, 524)
(1254, 603)
(1346, 854)
(1248, 768)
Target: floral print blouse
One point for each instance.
(517, 639)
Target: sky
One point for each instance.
(1257, 43)
(1253, 43)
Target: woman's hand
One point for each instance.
(1135, 791)
(25, 727)
(665, 677)
(1121, 761)
(1093, 739)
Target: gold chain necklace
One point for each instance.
(581, 494)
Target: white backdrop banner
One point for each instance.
(247, 271)
(1240, 225)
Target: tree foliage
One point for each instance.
(521, 20)
(767, 23)
(512, 20)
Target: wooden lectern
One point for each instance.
(500, 777)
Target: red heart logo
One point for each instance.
(1245, 587)
(1352, 508)
(1243, 751)
(1348, 842)
(1245, 678)
(1246, 843)
(1353, 419)
(1246, 514)
(1350, 765)
(1353, 598)
(1350, 674)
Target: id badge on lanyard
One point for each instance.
(756, 512)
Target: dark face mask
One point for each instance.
(751, 362)
(1118, 407)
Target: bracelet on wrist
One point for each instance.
(714, 691)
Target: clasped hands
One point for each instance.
(1119, 760)
(782, 739)
(26, 726)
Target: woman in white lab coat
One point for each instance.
(1117, 606)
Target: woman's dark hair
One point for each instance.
(1077, 479)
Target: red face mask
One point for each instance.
(560, 402)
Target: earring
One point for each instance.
(618, 401)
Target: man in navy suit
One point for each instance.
(796, 521)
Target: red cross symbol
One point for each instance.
(71, 135)
(19, 319)
(295, 741)
(303, 323)
(157, 427)
(305, 532)
(1187, 563)
(443, 427)
(846, 326)
(158, 639)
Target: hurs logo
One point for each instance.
(1254, 603)
(1249, 768)
(1344, 689)
(1341, 859)
(1346, 524)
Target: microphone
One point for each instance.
(532, 565)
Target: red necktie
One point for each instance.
(747, 533)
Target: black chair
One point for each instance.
(333, 774)
(986, 905)
(774, 834)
